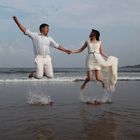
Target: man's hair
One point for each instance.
(42, 26)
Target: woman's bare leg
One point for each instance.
(89, 78)
(99, 77)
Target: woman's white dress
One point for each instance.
(95, 61)
(91, 62)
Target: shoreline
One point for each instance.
(69, 79)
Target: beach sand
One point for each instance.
(68, 118)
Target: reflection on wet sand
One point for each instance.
(100, 127)
(43, 133)
(40, 134)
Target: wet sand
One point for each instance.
(69, 118)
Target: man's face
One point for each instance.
(45, 30)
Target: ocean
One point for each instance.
(62, 74)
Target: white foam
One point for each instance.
(129, 78)
(107, 97)
(56, 79)
(63, 79)
(38, 98)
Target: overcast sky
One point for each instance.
(70, 24)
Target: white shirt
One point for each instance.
(41, 43)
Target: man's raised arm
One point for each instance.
(21, 27)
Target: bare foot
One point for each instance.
(82, 87)
(31, 75)
(103, 84)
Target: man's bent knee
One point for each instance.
(49, 76)
(38, 76)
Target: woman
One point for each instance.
(94, 45)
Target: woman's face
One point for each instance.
(93, 35)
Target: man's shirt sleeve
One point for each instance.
(53, 43)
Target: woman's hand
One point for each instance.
(68, 51)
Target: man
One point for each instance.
(41, 43)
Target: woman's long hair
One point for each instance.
(96, 33)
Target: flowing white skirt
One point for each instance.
(112, 64)
(97, 62)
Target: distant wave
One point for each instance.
(61, 75)
(129, 69)
(15, 70)
(60, 70)
(28, 70)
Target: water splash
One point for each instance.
(105, 98)
(39, 98)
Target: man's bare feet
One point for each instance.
(31, 74)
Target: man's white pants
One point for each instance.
(43, 66)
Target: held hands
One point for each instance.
(72, 51)
(68, 51)
(64, 50)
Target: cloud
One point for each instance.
(12, 56)
(11, 50)
(71, 21)
(6, 12)
(102, 15)
(75, 14)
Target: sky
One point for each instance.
(70, 24)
